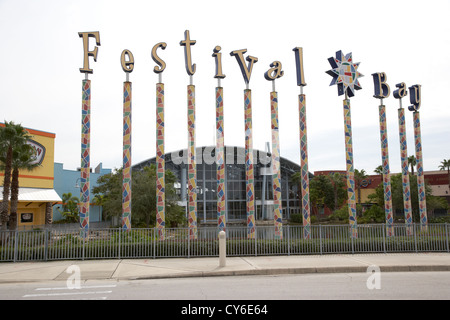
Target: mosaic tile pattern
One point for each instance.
(126, 171)
(405, 174)
(304, 167)
(386, 172)
(249, 174)
(420, 177)
(192, 165)
(276, 177)
(220, 161)
(85, 155)
(160, 163)
(350, 170)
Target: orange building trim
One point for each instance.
(32, 177)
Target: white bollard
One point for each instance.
(222, 249)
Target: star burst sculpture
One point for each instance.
(345, 74)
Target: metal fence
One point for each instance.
(107, 243)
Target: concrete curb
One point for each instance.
(284, 271)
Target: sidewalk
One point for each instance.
(134, 269)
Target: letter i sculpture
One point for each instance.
(127, 66)
(382, 91)
(86, 130)
(220, 144)
(249, 174)
(345, 75)
(415, 98)
(303, 144)
(274, 73)
(160, 160)
(192, 167)
(407, 208)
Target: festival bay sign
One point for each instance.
(345, 75)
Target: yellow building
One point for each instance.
(36, 193)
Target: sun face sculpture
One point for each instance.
(345, 74)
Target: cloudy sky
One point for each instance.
(41, 54)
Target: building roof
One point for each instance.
(36, 194)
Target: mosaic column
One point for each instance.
(192, 167)
(249, 174)
(126, 170)
(386, 173)
(160, 162)
(345, 75)
(420, 177)
(85, 155)
(405, 174)
(304, 167)
(276, 184)
(220, 159)
(350, 170)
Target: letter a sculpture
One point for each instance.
(345, 75)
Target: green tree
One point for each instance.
(379, 170)
(412, 162)
(23, 159)
(339, 190)
(397, 196)
(12, 136)
(143, 197)
(69, 211)
(321, 193)
(445, 165)
(99, 200)
(360, 175)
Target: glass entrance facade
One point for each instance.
(235, 183)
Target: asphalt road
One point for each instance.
(192, 291)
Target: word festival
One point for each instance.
(345, 74)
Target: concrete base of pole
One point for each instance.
(222, 249)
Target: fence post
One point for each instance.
(320, 239)
(222, 249)
(384, 237)
(189, 243)
(351, 237)
(120, 242)
(446, 236)
(45, 244)
(16, 236)
(288, 240)
(154, 241)
(415, 236)
(256, 245)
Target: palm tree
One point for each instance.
(23, 158)
(69, 207)
(379, 170)
(412, 161)
(11, 136)
(337, 180)
(445, 165)
(359, 177)
(99, 200)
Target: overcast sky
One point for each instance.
(41, 54)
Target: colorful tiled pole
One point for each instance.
(382, 91)
(160, 160)
(86, 129)
(192, 167)
(127, 66)
(246, 71)
(304, 178)
(415, 99)
(220, 144)
(345, 75)
(85, 155)
(272, 74)
(407, 208)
